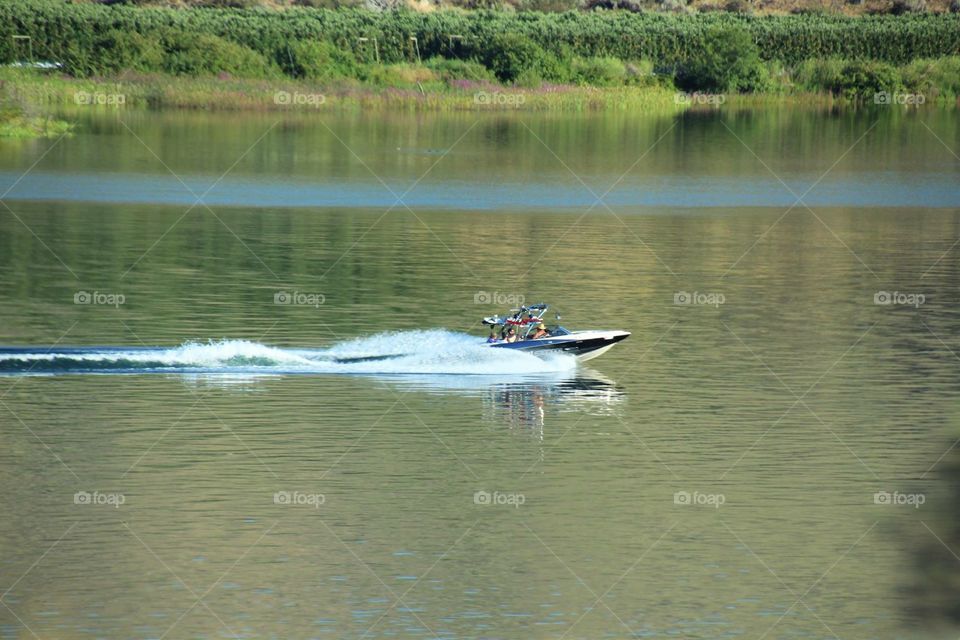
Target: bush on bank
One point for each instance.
(728, 62)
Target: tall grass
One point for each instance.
(211, 93)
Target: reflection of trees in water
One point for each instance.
(524, 405)
(933, 593)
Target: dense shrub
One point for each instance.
(728, 61)
(129, 50)
(203, 54)
(459, 69)
(863, 79)
(641, 73)
(598, 71)
(819, 75)
(549, 67)
(511, 56)
(933, 77)
(316, 60)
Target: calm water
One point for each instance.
(185, 457)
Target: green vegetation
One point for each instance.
(861, 80)
(16, 123)
(858, 80)
(439, 84)
(357, 56)
(933, 77)
(598, 71)
(395, 91)
(317, 60)
(94, 39)
(728, 62)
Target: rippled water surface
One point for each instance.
(243, 391)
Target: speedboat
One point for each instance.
(527, 321)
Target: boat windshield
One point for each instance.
(559, 331)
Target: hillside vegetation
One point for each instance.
(717, 52)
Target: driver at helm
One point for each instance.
(540, 332)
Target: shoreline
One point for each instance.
(43, 91)
(48, 102)
(158, 91)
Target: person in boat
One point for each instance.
(541, 332)
(511, 335)
(493, 336)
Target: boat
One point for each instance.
(525, 322)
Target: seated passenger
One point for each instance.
(493, 337)
(541, 332)
(511, 335)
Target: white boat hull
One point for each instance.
(585, 345)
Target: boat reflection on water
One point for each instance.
(525, 403)
(518, 402)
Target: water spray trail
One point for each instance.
(408, 352)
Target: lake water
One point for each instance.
(200, 436)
